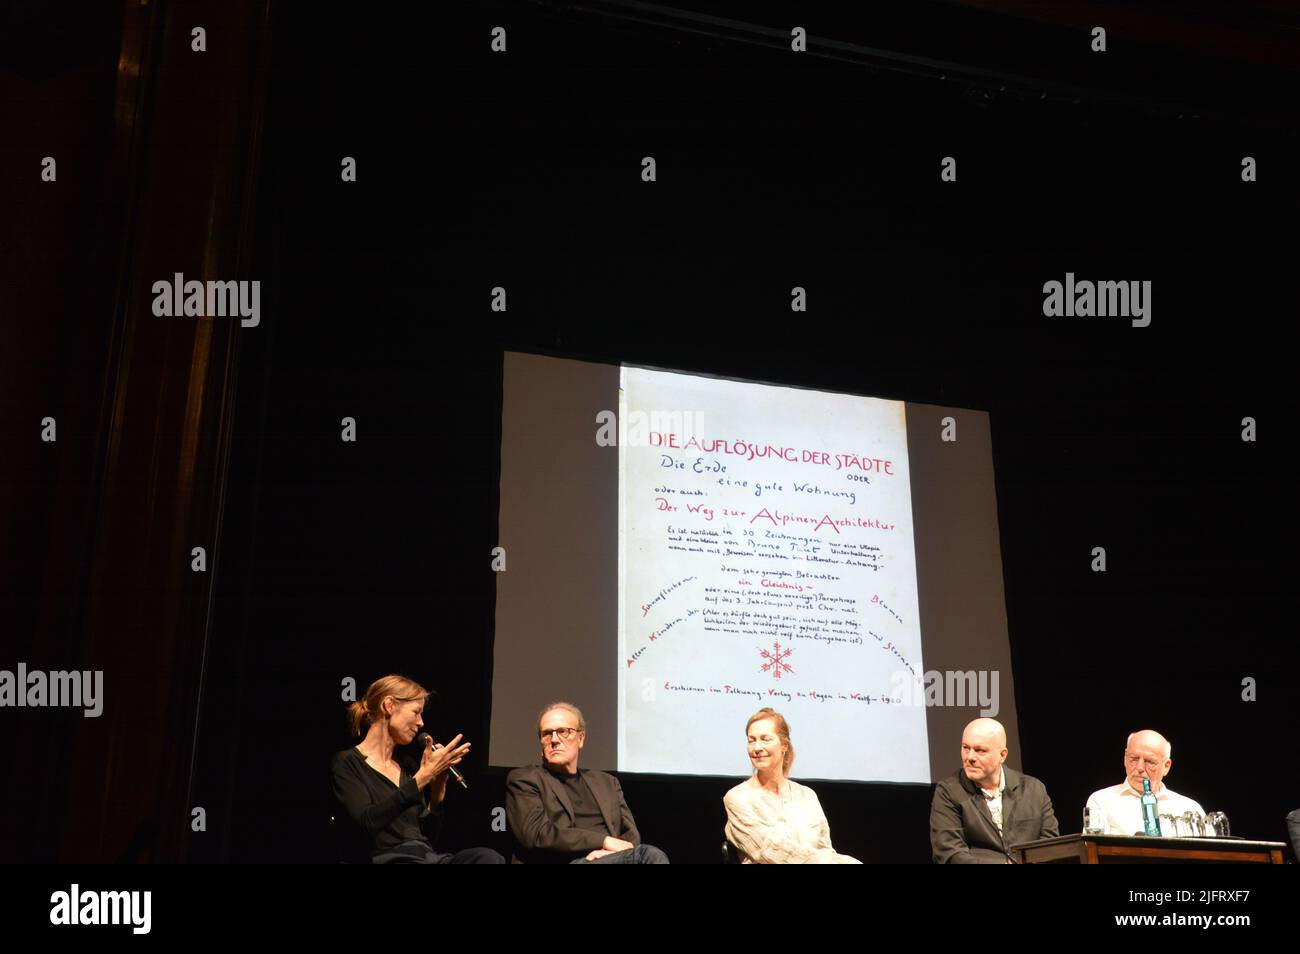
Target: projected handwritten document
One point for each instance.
(765, 559)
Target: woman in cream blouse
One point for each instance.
(770, 819)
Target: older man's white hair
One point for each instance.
(1150, 737)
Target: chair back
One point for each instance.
(348, 844)
(730, 853)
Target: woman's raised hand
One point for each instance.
(436, 759)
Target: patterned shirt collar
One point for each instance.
(1002, 786)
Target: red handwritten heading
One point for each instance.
(752, 451)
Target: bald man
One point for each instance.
(1146, 755)
(979, 813)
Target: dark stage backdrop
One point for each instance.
(356, 559)
(348, 560)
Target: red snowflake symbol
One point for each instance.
(776, 660)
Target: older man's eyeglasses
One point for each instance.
(564, 734)
(1134, 760)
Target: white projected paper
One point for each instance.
(765, 559)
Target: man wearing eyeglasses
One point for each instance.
(560, 814)
(1146, 754)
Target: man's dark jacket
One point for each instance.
(540, 815)
(961, 826)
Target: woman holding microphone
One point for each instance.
(395, 801)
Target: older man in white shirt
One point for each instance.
(1119, 808)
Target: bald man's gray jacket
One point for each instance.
(961, 827)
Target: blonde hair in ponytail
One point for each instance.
(370, 708)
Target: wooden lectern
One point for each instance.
(1132, 849)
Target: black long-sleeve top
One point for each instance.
(388, 814)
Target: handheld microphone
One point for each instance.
(451, 768)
